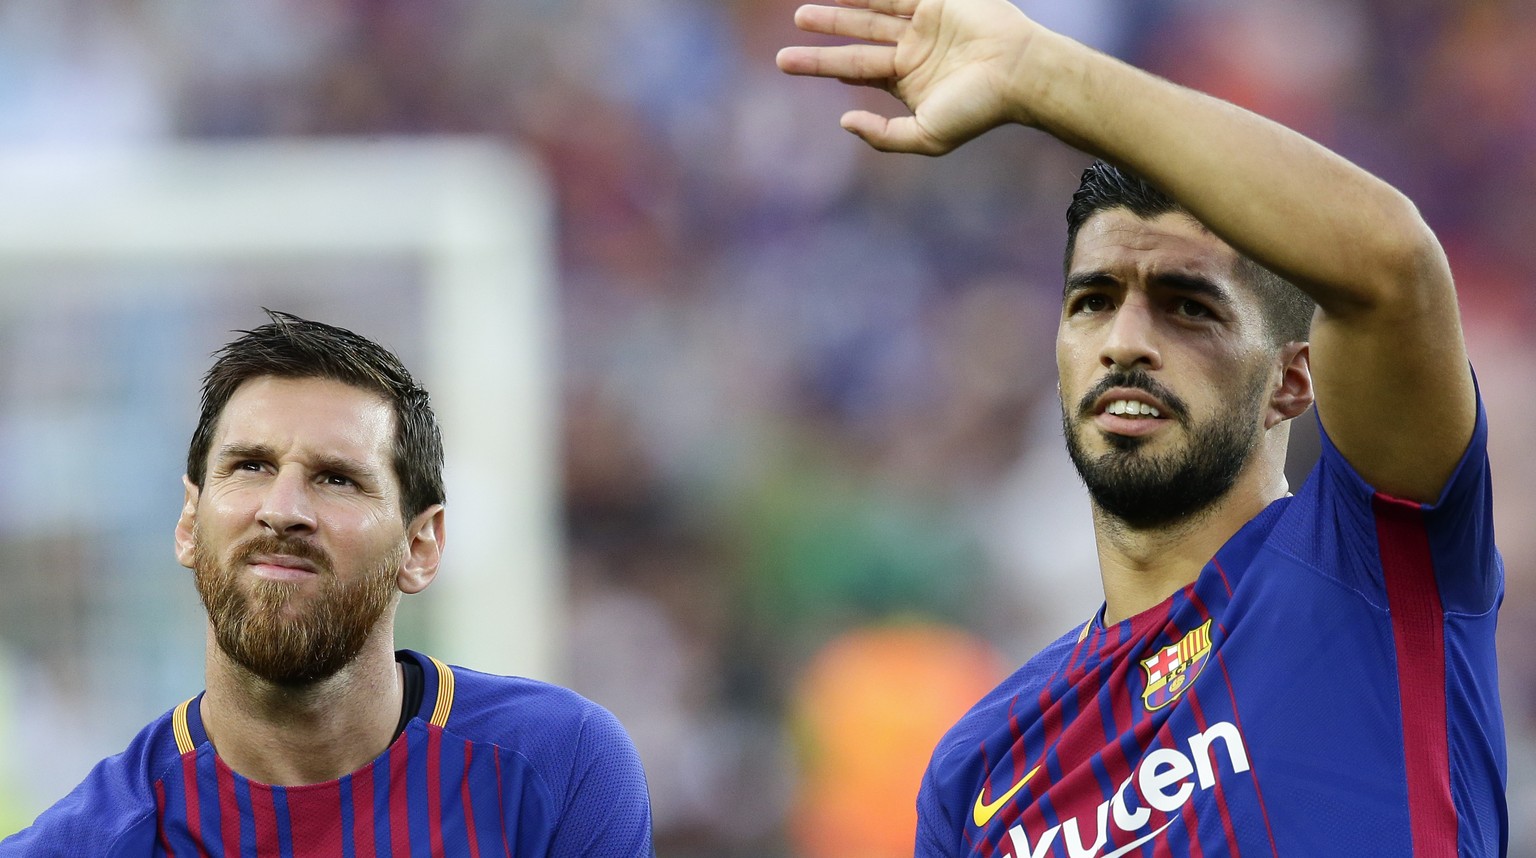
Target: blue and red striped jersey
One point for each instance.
(1326, 687)
(488, 766)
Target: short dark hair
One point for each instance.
(1287, 309)
(291, 347)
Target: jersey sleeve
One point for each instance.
(607, 807)
(1450, 540)
(109, 814)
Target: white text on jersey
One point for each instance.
(1162, 781)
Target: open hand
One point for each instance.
(956, 64)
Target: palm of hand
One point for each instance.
(953, 70)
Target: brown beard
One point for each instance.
(257, 625)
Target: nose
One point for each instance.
(1131, 336)
(286, 508)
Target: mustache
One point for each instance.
(267, 544)
(1136, 379)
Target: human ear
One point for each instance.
(1294, 394)
(423, 550)
(186, 524)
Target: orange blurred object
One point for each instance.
(868, 711)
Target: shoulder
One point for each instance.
(1341, 526)
(112, 811)
(522, 713)
(559, 732)
(574, 748)
(1335, 480)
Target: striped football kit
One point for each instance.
(1326, 687)
(487, 766)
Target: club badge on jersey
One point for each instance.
(1171, 669)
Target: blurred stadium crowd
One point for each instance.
(814, 495)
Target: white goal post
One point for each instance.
(473, 215)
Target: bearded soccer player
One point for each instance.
(1270, 674)
(314, 498)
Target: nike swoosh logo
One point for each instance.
(982, 813)
(1129, 846)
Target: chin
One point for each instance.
(1125, 443)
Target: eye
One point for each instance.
(249, 466)
(338, 480)
(1191, 308)
(1091, 302)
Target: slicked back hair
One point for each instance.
(1287, 310)
(295, 348)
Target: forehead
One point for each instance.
(1120, 244)
(316, 416)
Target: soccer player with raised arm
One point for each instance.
(1308, 675)
(314, 499)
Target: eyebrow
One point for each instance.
(324, 462)
(244, 451)
(1193, 284)
(1085, 279)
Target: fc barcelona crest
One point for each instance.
(1171, 669)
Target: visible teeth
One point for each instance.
(1132, 408)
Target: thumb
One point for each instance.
(887, 134)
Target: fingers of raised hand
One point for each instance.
(851, 23)
(904, 8)
(853, 63)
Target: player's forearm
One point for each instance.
(1341, 234)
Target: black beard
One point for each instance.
(290, 651)
(1147, 492)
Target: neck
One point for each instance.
(1143, 567)
(287, 736)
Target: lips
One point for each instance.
(285, 561)
(1131, 404)
(280, 559)
(282, 567)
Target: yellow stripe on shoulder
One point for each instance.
(179, 727)
(444, 693)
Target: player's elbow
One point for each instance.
(1404, 271)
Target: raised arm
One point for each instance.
(1389, 366)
